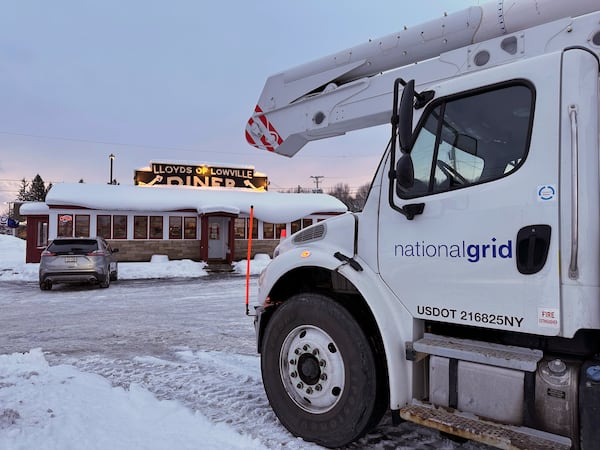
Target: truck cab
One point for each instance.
(466, 294)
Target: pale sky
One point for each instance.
(173, 80)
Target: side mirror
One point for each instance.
(405, 173)
(405, 111)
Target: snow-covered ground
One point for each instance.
(46, 406)
(163, 359)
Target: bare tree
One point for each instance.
(341, 191)
(361, 196)
(297, 190)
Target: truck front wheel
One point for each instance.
(319, 371)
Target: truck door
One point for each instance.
(484, 252)
(580, 200)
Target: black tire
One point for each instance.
(106, 282)
(45, 285)
(320, 373)
(115, 274)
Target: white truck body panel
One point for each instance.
(506, 248)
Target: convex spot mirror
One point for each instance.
(405, 174)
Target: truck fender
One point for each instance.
(387, 310)
(396, 327)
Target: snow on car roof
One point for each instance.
(273, 207)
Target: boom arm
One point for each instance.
(320, 99)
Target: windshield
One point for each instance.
(73, 246)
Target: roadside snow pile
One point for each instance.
(162, 268)
(56, 406)
(12, 260)
(14, 268)
(257, 264)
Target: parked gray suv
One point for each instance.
(76, 260)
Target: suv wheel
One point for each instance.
(106, 282)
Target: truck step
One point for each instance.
(476, 429)
(511, 357)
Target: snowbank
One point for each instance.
(58, 407)
(14, 268)
(61, 407)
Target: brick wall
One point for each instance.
(258, 246)
(142, 251)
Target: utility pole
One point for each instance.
(317, 178)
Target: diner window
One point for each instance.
(119, 227)
(42, 234)
(254, 229)
(240, 228)
(175, 227)
(103, 226)
(140, 227)
(189, 228)
(278, 229)
(82, 225)
(156, 227)
(295, 226)
(65, 225)
(268, 231)
(213, 231)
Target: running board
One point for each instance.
(473, 428)
(518, 358)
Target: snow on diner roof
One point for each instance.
(273, 207)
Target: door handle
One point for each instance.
(533, 243)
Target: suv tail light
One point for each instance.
(98, 253)
(47, 253)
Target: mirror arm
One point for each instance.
(413, 209)
(422, 98)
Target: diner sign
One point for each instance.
(200, 176)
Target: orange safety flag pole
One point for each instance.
(248, 260)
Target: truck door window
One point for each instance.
(471, 139)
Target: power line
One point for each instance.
(159, 147)
(92, 141)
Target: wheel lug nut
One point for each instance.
(323, 376)
(318, 388)
(294, 374)
(322, 363)
(309, 390)
(300, 385)
(292, 361)
(297, 351)
(306, 347)
(315, 352)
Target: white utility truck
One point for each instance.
(466, 294)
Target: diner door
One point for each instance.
(218, 237)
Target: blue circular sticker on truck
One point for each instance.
(546, 193)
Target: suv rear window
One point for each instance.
(73, 246)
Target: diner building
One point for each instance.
(207, 220)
